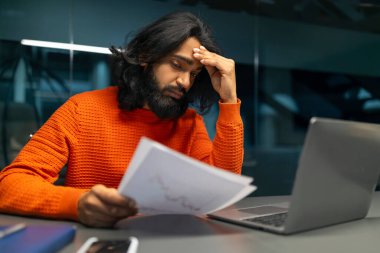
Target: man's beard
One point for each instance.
(165, 107)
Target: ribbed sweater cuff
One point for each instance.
(69, 203)
(229, 112)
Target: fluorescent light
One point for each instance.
(68, 46)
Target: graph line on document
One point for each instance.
(170, 196)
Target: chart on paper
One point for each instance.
(163, 181)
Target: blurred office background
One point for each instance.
(294, 59)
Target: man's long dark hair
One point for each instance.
(151, 45)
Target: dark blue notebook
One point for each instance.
(38, 239)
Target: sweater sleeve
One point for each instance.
(26, 185)
(227, 149)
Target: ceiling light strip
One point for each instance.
(67, 46)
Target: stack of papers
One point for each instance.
(164, 181)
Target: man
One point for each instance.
(95, 133)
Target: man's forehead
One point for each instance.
(189, 61)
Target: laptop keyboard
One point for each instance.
(276, 219)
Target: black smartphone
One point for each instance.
(96, 245)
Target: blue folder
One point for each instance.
(38, 239)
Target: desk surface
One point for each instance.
(182, 233)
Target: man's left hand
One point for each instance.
(221, 71)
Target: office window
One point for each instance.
(314, 58)
(294, 60)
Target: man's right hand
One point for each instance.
(103, 207)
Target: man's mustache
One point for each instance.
(179, 88)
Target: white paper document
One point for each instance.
(164, 181)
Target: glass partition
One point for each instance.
(294, 60)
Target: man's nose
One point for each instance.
(184, 80)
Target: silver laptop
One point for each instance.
(337, 173)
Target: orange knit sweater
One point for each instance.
(97, 140)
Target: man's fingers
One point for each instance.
(111, 203)
(91, 203)
(210, 60)
(210, 64)
(109, 195)
(95, 213)
(112, 197)
(103, 207)
(121, 212)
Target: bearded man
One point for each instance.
(169, 65)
